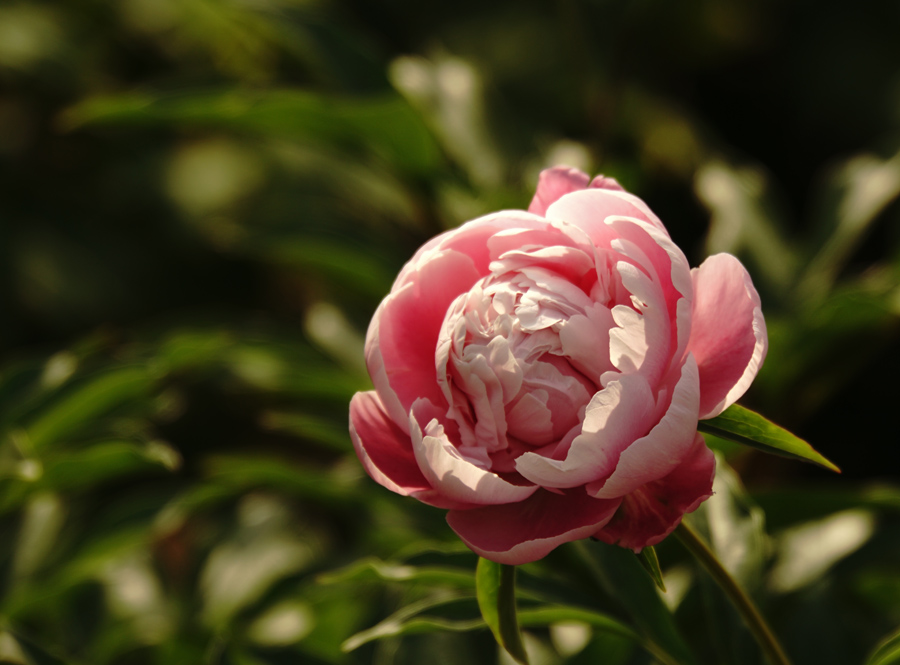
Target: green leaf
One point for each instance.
(496, 589)
(749, 428)
(887, 652)
(621, 575)
(406, 621)
(650, 562)
(372, 569)
(544, 616)
(103, 393)
(384, 125)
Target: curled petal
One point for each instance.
(652, 511)
(728, 333)
(451, 473)
(589, 209)
(664, 448)
(615, 417)
(517, 533)
(383, 448)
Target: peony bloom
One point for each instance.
(540, 374)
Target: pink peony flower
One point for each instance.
(540, 374)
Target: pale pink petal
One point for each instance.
(474, 239)
(452, 474)
(642, 339)
(653, 250)
(584, 337)
(614, 418)
(664, 448)
(605, 182)
(728, 332)
(517, 533)
(652, 512)
(553, 183)
(589, 209)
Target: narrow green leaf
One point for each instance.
(408, 621)
(887, 652)
(103, 393)
(650, 562)
(750, 429)
(621, 575)
(372, 569)
(545, 616)
(495, 585)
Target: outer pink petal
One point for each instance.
(559, 180)
(402, 338)
(652, 512)
(728, 333)
(517, 533)
(553, 183)
(386, 451)
(472, 239)
(588, 208)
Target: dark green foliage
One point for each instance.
(202, 203)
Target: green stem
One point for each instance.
(754, 620)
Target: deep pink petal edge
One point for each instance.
(517, 533)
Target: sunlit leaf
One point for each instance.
(744, 426)
(496, 589)
(887, 652)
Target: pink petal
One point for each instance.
(666, 446)
(474, 239)
(559, 180)
(553, 183)
(588, 208)
(583, 336)
(386, 451)
(517, 533)
(652, 512)
(604, 182)
(402, 338)
(383, 448)
(728, 332)
(614, 418)
(451, 474)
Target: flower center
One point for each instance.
(504, 368)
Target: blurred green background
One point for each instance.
(202, 203)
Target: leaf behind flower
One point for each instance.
(749, 428)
